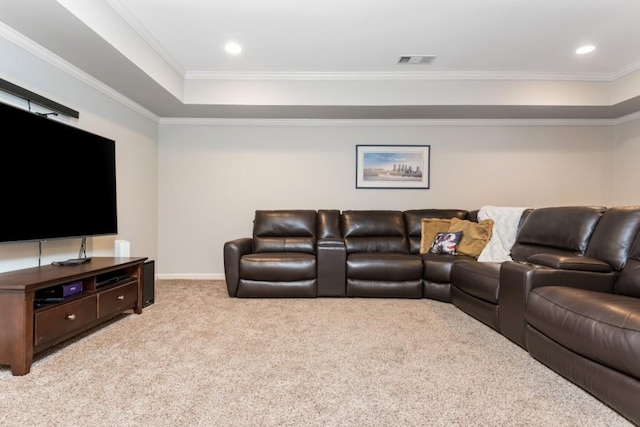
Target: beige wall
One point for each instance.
(626, 158)
(213, 177)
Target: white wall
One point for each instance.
(626, 157)
(136, 158)
(213, 177)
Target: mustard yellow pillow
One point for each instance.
(475, 235)
(431, 227)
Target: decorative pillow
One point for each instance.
(431, 227)
(475, 235)
(445, 243)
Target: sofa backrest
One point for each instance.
(329, 224)
(614, 235)
(285, 231)
(413, 221)
(473, 216)
(562, 230)
(374, 231)
(628, 282)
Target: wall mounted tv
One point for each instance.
(58, 181)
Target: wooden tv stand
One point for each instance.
(110, 286)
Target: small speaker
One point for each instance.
(148, 283)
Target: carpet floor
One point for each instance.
(199, 358)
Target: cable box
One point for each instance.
(110, 278)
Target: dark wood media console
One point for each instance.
(110, 286)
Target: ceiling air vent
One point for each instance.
(417, 59)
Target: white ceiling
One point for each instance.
(493, 36)
(338, 58)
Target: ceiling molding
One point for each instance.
(385, 122)
(116, 5)
(635, 66)
(395, 75)
(627, 118)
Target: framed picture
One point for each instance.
(392, 166)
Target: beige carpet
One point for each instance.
(199, 358)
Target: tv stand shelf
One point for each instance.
(27, 330)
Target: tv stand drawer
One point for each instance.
(59, 320)
(117, 299)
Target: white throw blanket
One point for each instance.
(503, 236)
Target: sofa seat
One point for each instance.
(590, 338)
(281, 266)
(478, 279)
(601, 327)
(475, 290)
(384, 274)
(436, 274)
(277, 274)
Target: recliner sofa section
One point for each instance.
(558, 231)
(279, 260)
(597, 269)
(592, 337)
(379, 263)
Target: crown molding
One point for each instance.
(117, 6)
(395, 75)
(628, 118)
(386, 122)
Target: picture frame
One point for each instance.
(393, 166)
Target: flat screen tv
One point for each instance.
(58, 181)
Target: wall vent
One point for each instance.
(417, 59)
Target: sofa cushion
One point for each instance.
(284, 244)
(284, 231)
(479, 279)
(556, 229)
(446, 243)
(430, 228)
(275, 289)
(437, 267)
(614, 235)
(384, 288)
(374, 231)
(475, 235)
(413, 221)
(384, 266)
(275, 266)
(599, 326)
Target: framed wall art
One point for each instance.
(392, 166)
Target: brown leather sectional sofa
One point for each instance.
(570, 296)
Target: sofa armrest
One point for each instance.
(332, 267)
(560, 262)
(517, 279)
(233, 251)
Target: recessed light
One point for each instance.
(233, 48)
(585, 49)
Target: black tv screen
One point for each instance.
(58, 181)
